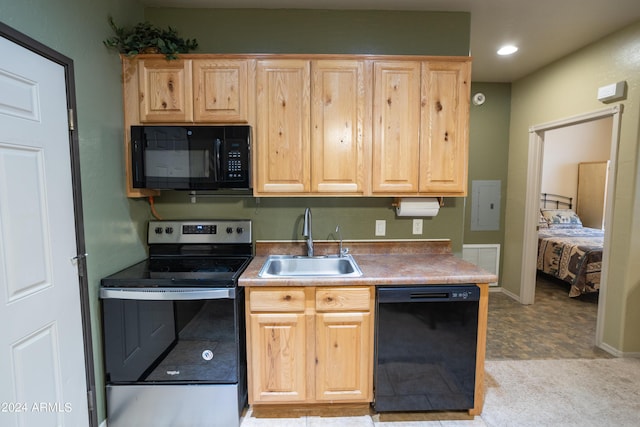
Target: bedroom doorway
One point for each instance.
(532, 202)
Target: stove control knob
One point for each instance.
(229, 230)
(169, 230)
(239, 230)
(158, 230)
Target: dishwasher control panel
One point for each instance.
(428, 293)
(464, 294)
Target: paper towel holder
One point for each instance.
(396, 201)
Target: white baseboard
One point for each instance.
(617, 353)
(510, 294)
(103, 424)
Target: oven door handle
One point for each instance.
(164, 294)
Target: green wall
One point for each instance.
(113, 223)
(565, 89)
(276, 218)
(319, 31)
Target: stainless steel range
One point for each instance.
(173, 328)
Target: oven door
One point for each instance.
(173, 335)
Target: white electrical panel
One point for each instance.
(485, 205)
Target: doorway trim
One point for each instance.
(532, 204)
(74, 152)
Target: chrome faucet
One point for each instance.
(341, 252)
(306, 231)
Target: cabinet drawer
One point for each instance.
(283, 299)
(341, 299)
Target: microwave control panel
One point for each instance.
(235, 168)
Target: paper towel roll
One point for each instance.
(419, 206)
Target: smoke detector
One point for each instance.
(479, 98)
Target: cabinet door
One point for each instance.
(445, 123)
(165, 91)
(396, 128)
(337, 127)
(221, 90)
(278, 357)
(282, 130)
(343, 357)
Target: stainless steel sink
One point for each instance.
(303, 266)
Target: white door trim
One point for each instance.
(532, 203)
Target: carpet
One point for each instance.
(563, 393)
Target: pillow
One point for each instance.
(542, 221)
(561, 218)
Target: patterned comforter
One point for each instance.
(573, 255)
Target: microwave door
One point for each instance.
(167, 164)
(167, 157)
(199, 166)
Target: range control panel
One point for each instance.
(205, 231)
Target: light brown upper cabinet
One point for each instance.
(420, 136)
(444, 137)
(340, 116)
(396, 128)
(221, 90)
(194, 90)
(311, 130)
(282, 138)
(165, 92)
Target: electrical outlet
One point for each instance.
(417, 226)
(381, 227)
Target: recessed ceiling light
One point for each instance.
(507, 50)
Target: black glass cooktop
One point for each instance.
(180, 271)
(195, 266)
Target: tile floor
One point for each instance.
(375, 420)
(555, 327)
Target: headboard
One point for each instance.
(556, 201)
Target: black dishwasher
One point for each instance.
(426, 340)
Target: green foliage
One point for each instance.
(146, 38)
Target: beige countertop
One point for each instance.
(424, 262)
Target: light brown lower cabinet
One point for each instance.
(278, 373)
(342, 349)
(310, 344)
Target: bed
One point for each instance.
(567, 250)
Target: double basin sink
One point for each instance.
(305, 266)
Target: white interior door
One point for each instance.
(42, 366)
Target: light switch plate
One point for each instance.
(381, 227)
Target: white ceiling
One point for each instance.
(545, 30)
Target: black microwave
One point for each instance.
(191, 157)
